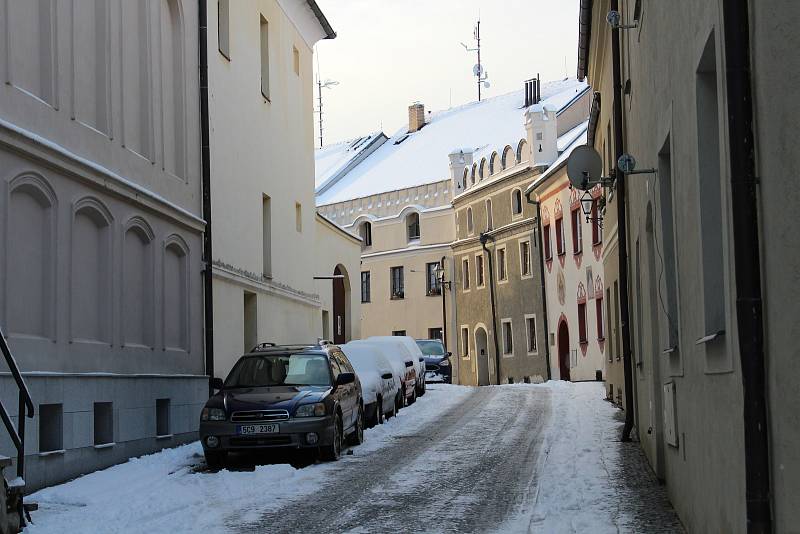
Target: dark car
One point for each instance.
(437, 361)
(299, 397)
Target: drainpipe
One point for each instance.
(622, 230)
(205, 154)
(749, 320)
(444, 307)
(541, 275)
(484, 238)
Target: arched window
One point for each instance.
(494, 163)
(508, 157)
(522, 150)
(516, 202)
(470, 225)
(176, 295)
(482, 171)
(412, 224)
(365, 232)
(466, 181)
(473, 173)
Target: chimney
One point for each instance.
(416, 117)
(460, 159)
(532, 92)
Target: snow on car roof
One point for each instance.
(412, 159)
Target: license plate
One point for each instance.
(244, 430)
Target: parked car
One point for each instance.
(291, 396)
(403, 363)
(416, 354)
(379, 385)
(437, 361)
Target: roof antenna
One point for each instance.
(477, 70)
(327, 84)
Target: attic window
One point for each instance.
(401, 139)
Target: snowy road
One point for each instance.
(464, 472)
(512, 459)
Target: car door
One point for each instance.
(349, 391)
(339, 394)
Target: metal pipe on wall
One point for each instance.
(484, 238)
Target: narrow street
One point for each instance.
(461, 459)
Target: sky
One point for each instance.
(391, 53)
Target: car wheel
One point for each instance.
(393, 411)
(379, 412)
(331, 453)
(357, 437)
(216, 460)
(413, 398)
(424, 388)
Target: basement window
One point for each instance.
(51, 427)
(103, 423)
(162, 417)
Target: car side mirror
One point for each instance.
(217, 383)
(409, 364)
(387, 376)
(421, 359)
(448, 354)
(345, 378)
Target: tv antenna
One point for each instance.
(327, 84)
(478, 70)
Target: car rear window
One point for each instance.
(431, 348)
(280, 370)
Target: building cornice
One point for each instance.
(406, 250)
(584, 37)
(497, 232)
(482, 186)
(264, 285)
(308, 19)
(336, 228)
(31, 145)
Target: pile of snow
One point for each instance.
(165, 492)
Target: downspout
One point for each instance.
(541, 275)
(749, 320)
(484, 238)
(444, 307)
(622, 230)
(205, 154)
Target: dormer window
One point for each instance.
(516, 202)
(412, 225)
(365, 232)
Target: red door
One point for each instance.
(563, 350)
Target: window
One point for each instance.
(598, 303)
(489, 216)
(470, 223)
(465, 342)
(465, 274)
(433, 285)
(412, 223)
(560, 246)
(326, 324)
(616, 319)
(296, 58)
(51, 427)
(435, 333)
(250, 325)
(479, 277)
(667, 232)
(711, 222)
(502, 273)
(508, 337)
(398, 333)
(548, 252)
(103, 423)
(525, 258)
(223, 27)
(577, 232)
(516, 202)
(397, 283)
(597, 230)
(266, 229)
(365, 233)
(365, 286)
(298, 216)
(582, 323)
(264, 57)
(608, 318)
(162, 417)
(530, 327)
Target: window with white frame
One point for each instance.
(525, 258)
(412, 223)
(530, 328)
(508, 336)
(465, 274)
(516, 202)
(465, 342)
(489, 215)
(577, 231)
(502, 271)
(397, 283)
(365, 233)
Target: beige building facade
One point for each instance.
(269, 283)
(712, 311)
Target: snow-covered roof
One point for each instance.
(579, 136)
(408, 160)
(333, 160)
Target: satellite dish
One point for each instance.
(584, 165)
(477, 70)
(486, 84)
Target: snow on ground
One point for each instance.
(164, 492)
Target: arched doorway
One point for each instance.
(563, 350)
(481, 349)
(341, 305)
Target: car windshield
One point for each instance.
(431, 348)
(280, 370)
